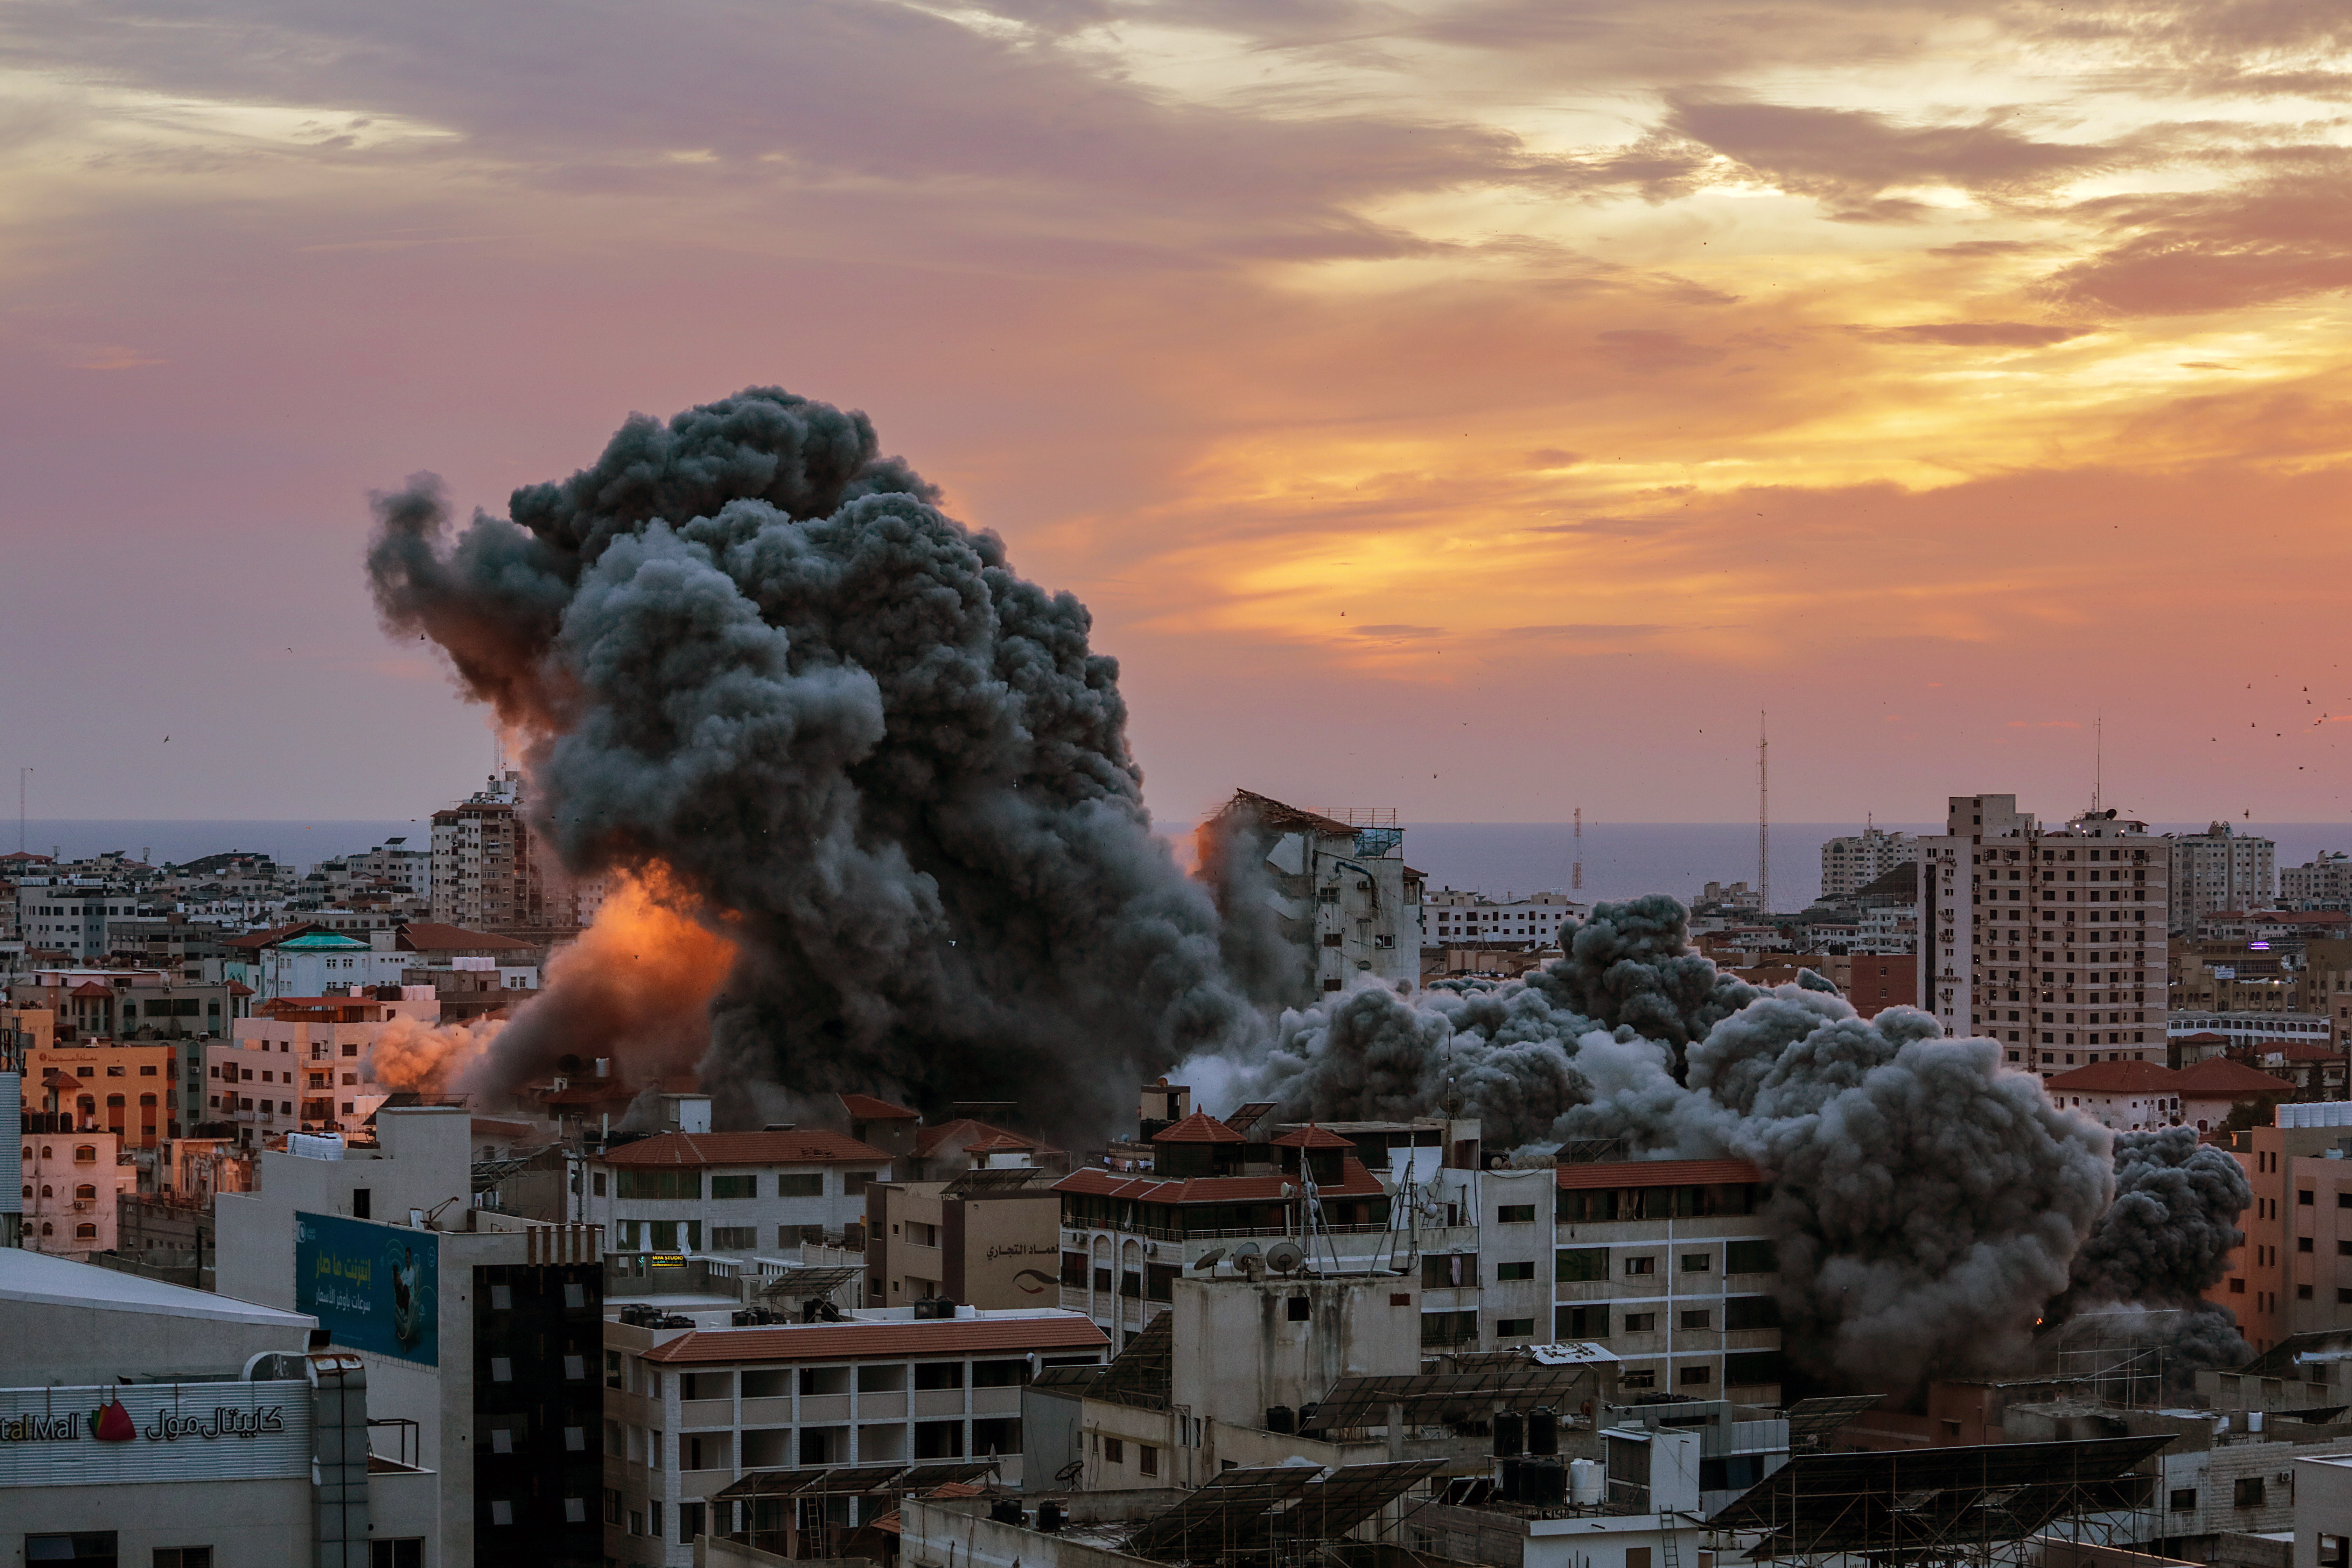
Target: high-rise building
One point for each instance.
(2051, 941)
(491, 872)
(1853, 862)
(1342, 897)
(2220, 868)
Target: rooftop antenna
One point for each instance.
(20, 808)
(2098, 761)
(1763, 816)
(1576, 867)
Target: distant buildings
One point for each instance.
(2218, 869)
(2322, 882)
(2048, 941)
(1343, 895)
(491, 872)
(1853, 862)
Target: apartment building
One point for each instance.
(2050, 940)
(731, 1193)
(1449, 916)
(1671, 1265)
(2220, 868)
(2294, 1275)
(71, 1182)
(1852, 863)
(1344, 898)
(307, 1064)
(128, 1090)
(54, 914)
(2133, 1095)
(1219, 1187)
(690, 1411)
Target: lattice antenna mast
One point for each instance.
(1763, 814)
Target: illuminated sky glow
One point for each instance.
(1476, 407)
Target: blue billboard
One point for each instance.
(374, 1287)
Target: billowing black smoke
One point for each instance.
(2167, 1240)
(1928, 1200)
(753, 652)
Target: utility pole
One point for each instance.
(1763, 816)
(1576, 867)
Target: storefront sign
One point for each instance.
(154, 1431)
(374, 1286)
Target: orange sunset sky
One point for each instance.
(1478, 408)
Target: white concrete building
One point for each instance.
(152, 1424)
(58, 915)
(2220, 868)
(1451, 916)
(2045, 940)
(1340, 892)
(71, 1182)
(303, 1063)
(2321, 882)
(735, 1193)
(481, 1329)
(689, 1411)
(1852, 862)
(307, 963)
(1672, 1266)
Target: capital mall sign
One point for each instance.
(154, 1431)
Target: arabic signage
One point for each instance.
(376, 1288)
(154, 1431)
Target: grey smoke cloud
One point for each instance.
(754, 652)
(2166, 1238)
(1928, 1200)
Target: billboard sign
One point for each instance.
(376, 1288)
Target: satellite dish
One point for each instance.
(1207, 1261)
(1284, 1257)
(1247, 1257)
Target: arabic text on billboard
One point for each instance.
(374, 1286)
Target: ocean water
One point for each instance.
(1498, 858)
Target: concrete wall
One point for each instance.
(1240, 1352)
(937, 1535)
(1002, 1251)
(248, 1525)
(2323, 1505)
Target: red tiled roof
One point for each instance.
(2218, 1076)
(90, 988)
(2301, 1051)
(239, 988)
(1199, 1128)
(866, 1108)
(61, 1080)
(1354, 1182)
(598, 1092)
(882, 1341)
(964, 1131)
(702, 1149)
(2120, 1078)
(994, 1142)
(1312, 1137)
(432, 936)
(1656, 1174)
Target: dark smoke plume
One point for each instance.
(2167, 1240)
(753, 653)
(1928, 1201)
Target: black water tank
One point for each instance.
(1510, 1434)
(1543, 1430)
(1281, 1419)
(1541, 1483)
(1049, 1515)
(1005, 1510)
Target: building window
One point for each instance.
(734, 1187)
(1641, 1323)
(1506, 1272)
(1114, 1451)
(807, 1184)
(1577, 1264)
(1698, 1317)
(89, 1548)
(1515, 1327)
(1515, 1214)
(183, 1557)
(1147, 1458)
(734, 1237)
(1640, 1266)
(2246, 1491)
